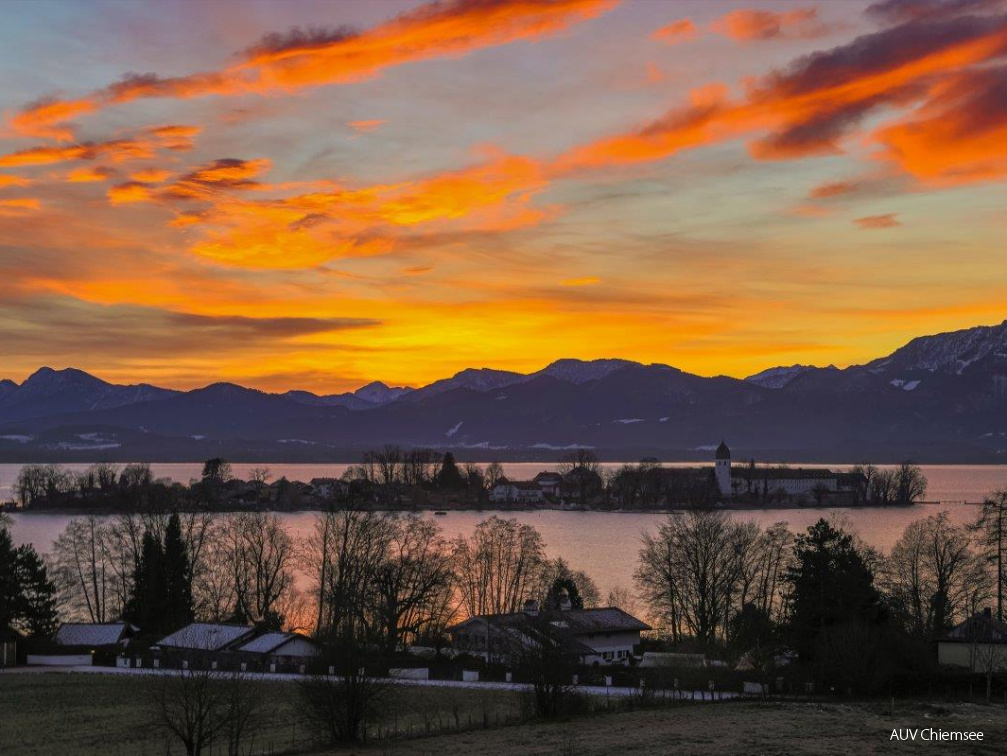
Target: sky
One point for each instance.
(315, 195)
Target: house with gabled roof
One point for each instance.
(93, 636)
(282, 647)
(207, 636)
(977, 644)
(606, 635)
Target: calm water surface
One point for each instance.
(603, 544)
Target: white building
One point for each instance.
(282, 647)
(517, 492)
(978, 644)
(763, 481)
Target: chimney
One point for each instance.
(531, 608)
(564, 603)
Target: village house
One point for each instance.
(978, 644)
(282, 648)
(603, 636)
(90, 637)
(517, 492)
(201, 641)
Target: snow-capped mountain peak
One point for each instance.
(581, 371)
(952, 352)
(377, 392)
(777, 377)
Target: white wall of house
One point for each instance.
(610, 647)
(298, 647)
(972, 656)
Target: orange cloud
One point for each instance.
(876, 222)
(287, 62)
(10, 207)
(89, 175)
(307, 229)
(118, 150)
(48, 118)
(677, 31)
(753, 25)
(151, 175)
(130, 192)
(365, 127)
(8, 180)
(582, 281)
(175, 137)
(959, 136)
(810, 107)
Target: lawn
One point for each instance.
(60, 713)
(724, 729)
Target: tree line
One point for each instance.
(402, 478)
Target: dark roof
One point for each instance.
(578, 621)
(981, 627)
(91, 633)
(723, 452)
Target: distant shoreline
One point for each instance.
(106, 512)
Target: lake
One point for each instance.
(603, 544)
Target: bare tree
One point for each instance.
(414, 584)
(499, 566)
(338, 707)
(910, 483)
(83, 572)
(933, 577)
(260, 553)
(692, 572)
(202, 707)
(992, 528)
(343, 556)
(543, 654)
(493, 473)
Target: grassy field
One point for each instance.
(58, 713)
(723, 729)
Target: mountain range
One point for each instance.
(940, 398)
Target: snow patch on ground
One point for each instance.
(664, 419)
(554, 447)
(454, 430)
(19, 439)
(629, 420)
(709, 447)
(295, 441)
(904, 384)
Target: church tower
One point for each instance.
(724, 470)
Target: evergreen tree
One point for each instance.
(27, 596)
(146, 604)
(177, 578)
(830, 585)
(10, 592)
(449, 476)
(37, 610)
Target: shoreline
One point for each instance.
(497, 510)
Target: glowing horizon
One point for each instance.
(319, 195)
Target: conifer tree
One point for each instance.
(177, 578)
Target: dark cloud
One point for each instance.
(40, 326)
(899, 11)
(299, 38)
